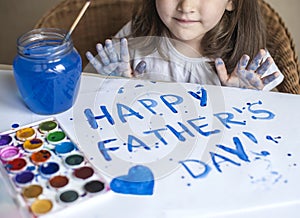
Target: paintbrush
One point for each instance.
(81, 13)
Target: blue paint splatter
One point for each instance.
(274, 173)
(139, 85)
(265, 153)
(251, 137)
(273, 139)
(262, 153)
(30, 168)
(15, 125)
(121, 90)
(138, 181)
(277, 179)
(238, 110)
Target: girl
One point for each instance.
(190, 41)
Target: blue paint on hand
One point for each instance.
(138, 181)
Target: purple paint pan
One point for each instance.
(9, 153)
(24, 178)
(5, 140)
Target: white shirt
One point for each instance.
(176, 67)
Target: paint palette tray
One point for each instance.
(45, 169)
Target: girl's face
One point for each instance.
(189, 20)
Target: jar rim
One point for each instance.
(44, 42)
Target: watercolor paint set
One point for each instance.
(45, 170)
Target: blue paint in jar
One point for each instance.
(47, 71)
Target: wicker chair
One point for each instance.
(281, 46)
(102, 20)
(105, 17)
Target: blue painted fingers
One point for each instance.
(140, 69)
(110, 50)
(257, 60)
(124, 52)
(248, 74)
(109, 61)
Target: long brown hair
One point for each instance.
(241, 31)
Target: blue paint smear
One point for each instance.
(262, 153)
(274, 173)
(277, 179)
(265, 153)
(251, 137)
(15, 125)
(30, 168)
(91, 118)
(139, 85)
(273, 139)
(121, 90)
(238, 110)
(138, 181)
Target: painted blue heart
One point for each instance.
(138, 181)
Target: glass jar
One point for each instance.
(47, 70)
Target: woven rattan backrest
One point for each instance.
(102, 20)
(281, 46)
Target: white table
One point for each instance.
(218, 200)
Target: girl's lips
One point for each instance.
(185, 20)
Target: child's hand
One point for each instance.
(247, 75)
(113, 64)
